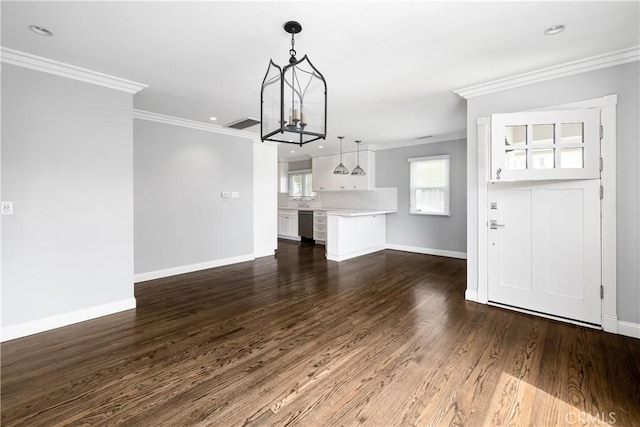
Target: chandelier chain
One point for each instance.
(292, 51)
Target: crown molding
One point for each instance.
(592, 63)
(192, 124)
(38, 63)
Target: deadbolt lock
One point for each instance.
(493, 224)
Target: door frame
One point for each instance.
(607, 105)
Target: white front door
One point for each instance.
(544, 248)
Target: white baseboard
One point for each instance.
(471, 295)
(610, 323)
(47, 323)
(629, 329)
(350, 255)
(174, 271)
(270, 253)
(427, 251)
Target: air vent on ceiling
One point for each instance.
(243, 123)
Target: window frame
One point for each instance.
(413, 161)
(590, 144)
(306, 176)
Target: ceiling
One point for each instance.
(391, 67)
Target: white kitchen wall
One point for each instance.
(379, 198)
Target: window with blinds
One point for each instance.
(300, 184)
(429, 185)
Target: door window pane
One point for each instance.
(515, 135)
(572, 158)
(542, 158)
(543, 133)
(516, 159)
(571, 133)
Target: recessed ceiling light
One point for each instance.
(41, 31)
(320, 146)
(554, 29)
(213, 118)
(292, 151)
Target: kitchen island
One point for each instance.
(352, 233)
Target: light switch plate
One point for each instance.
(7, 208)
(235, 194)
(225, 194)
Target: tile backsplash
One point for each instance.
(379, 198)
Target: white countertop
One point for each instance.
(309, 209)
(342, 212)
(358, 212)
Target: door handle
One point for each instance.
(493, 224)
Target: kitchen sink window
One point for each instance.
(300, 184)
(429, 185)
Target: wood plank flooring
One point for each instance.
(385, 339)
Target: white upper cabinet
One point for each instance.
(325, 180)
(321, 180)
(541, 145)
(360, 182)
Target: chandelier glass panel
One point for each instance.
(294, 99)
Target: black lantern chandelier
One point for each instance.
(293, 99)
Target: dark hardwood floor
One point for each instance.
(382, 340)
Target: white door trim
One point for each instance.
(607, 105)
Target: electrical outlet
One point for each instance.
(7, 208)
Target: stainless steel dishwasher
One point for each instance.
(305, 224)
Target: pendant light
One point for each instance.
(358, 170)
(293, 99)
(341, 169)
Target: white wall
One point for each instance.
(181, 221)
(265, 189)
(621, 80)
(67, 164)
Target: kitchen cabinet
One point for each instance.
(288, 224)
(321, 179)
(352, 234)
(320, 226)
(325, 180)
